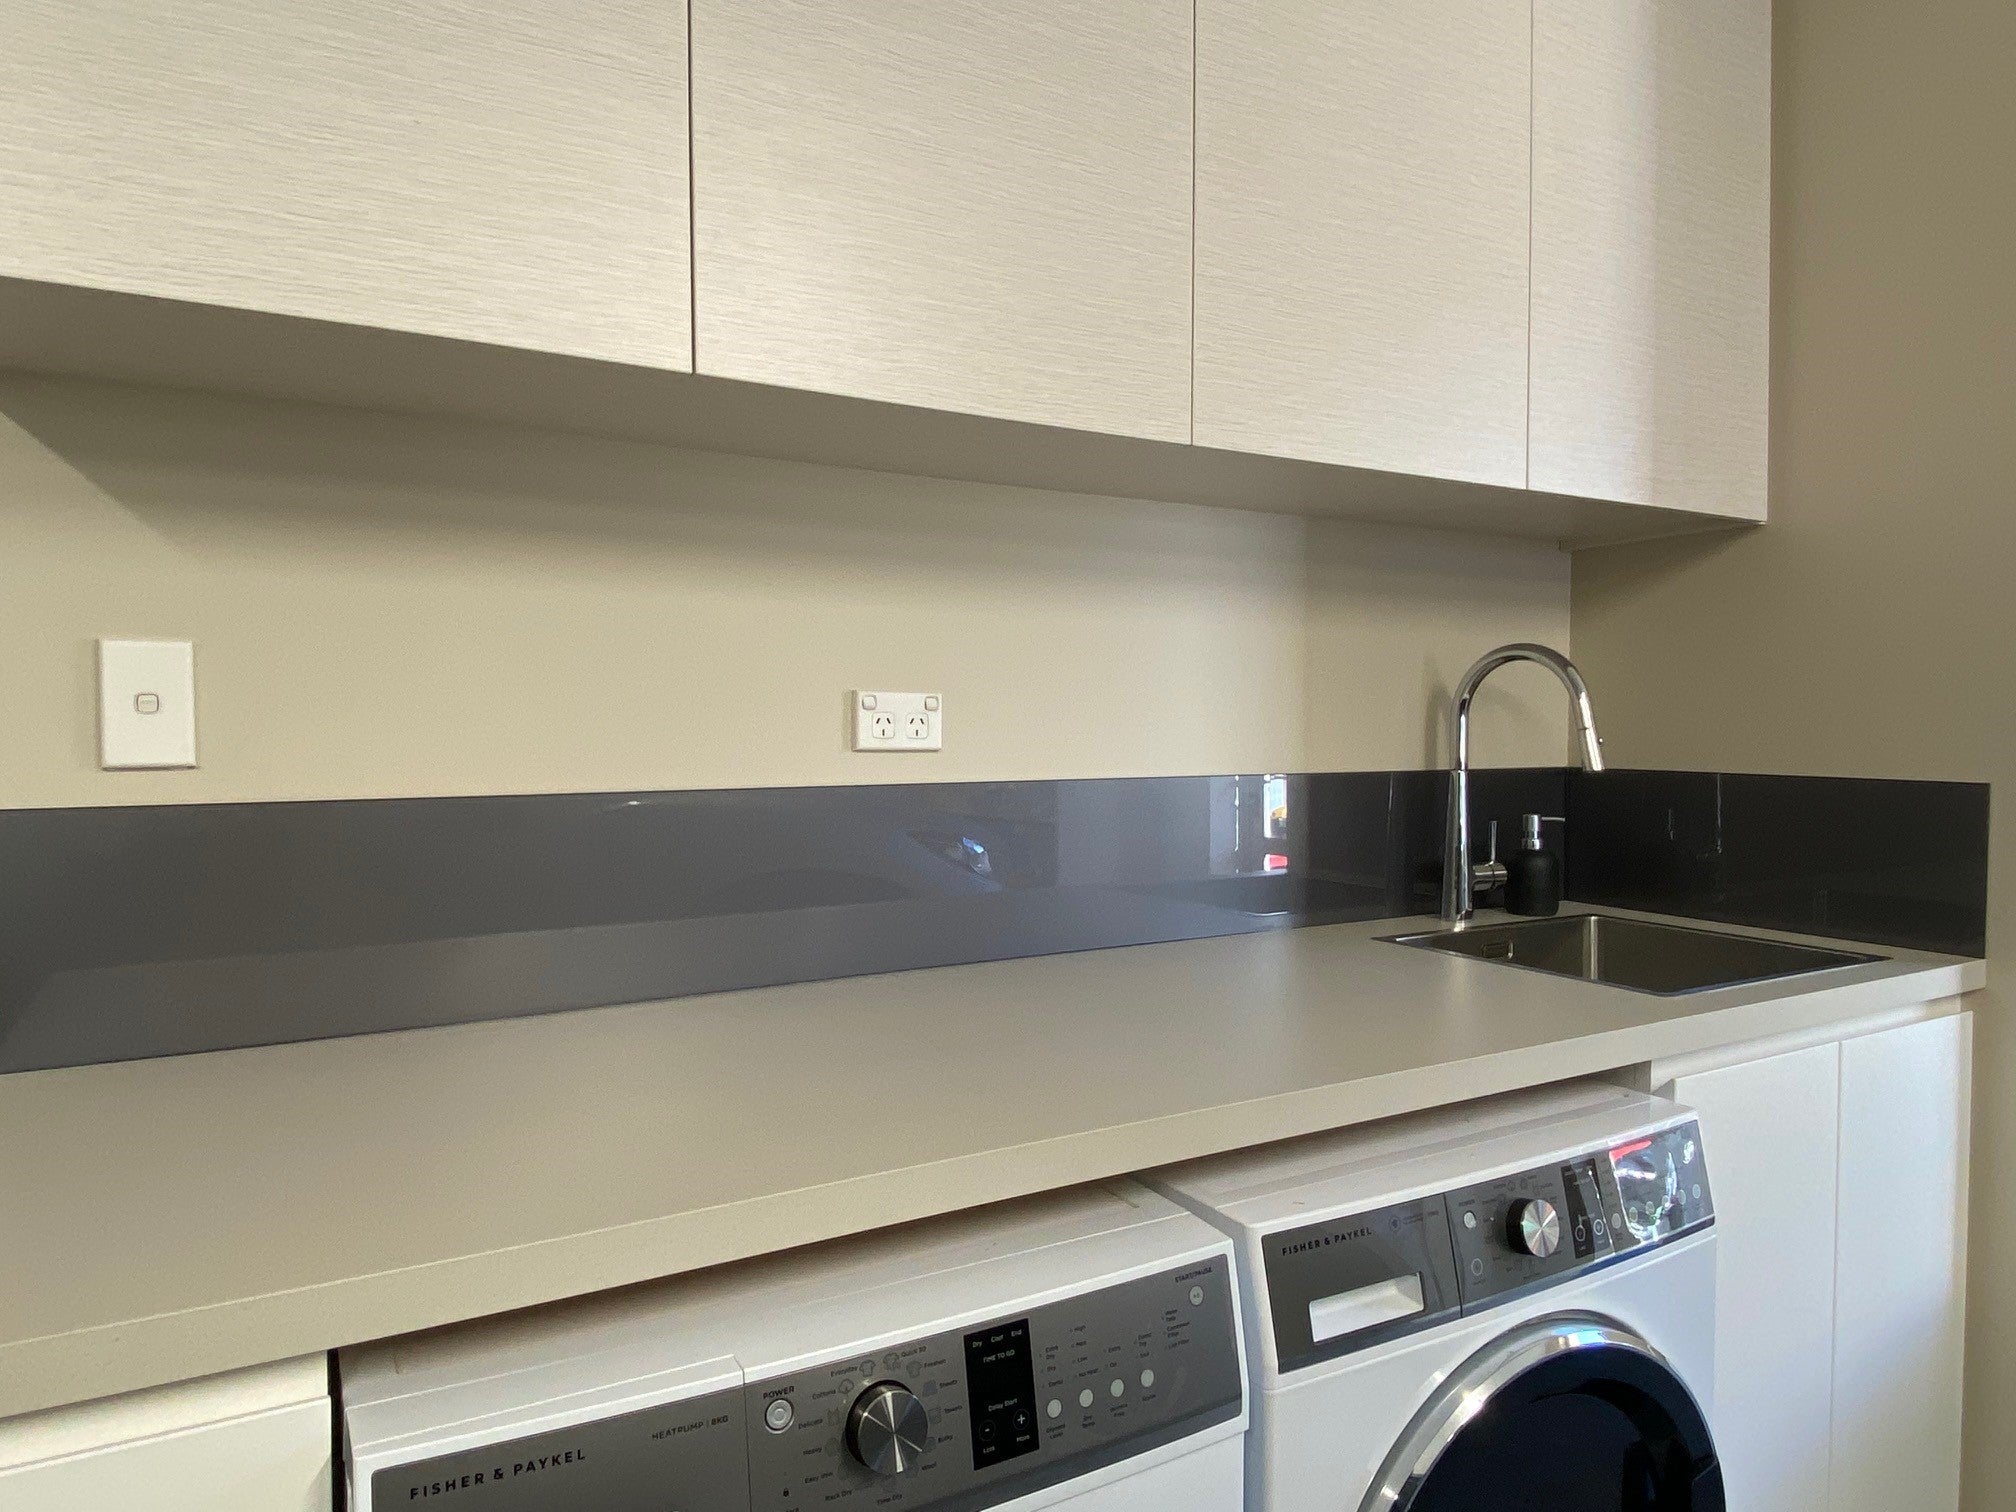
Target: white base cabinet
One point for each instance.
(1900, 1267)
(1840, 1176)
(250, 1441)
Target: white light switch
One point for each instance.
(146, 704)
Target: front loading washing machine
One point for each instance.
(1080, 1345)
(1503, 1307)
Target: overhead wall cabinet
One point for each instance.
(507, 171)
(1652, 251)
(1496, 264)
(980, 205)
(1362, 207)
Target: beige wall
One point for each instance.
(1868, 628)
(394, 606)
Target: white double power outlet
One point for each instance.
(898, 721)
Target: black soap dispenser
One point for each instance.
(1533, 872)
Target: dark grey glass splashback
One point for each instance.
(1884, 862)
(132, 932)
(128, 932)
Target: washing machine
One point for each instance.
(1083, 1345)
(1503, 1307)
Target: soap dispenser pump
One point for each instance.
(1533, 873)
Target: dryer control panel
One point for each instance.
(1003, 1406)
(1348, 1283)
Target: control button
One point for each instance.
(1196, 1296)
(1055, 1409)
(1021, 1420)
(1147, 1379)
(1477, 1268)
(1118, 1388)
(1533, 1227)
(1085, 1397)
(778, 1415)
(1469, 1220)
(888, 1429)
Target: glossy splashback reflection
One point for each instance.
(131, 932)
(128, 932)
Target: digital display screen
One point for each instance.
(1001, 1392)
(1588, 1229)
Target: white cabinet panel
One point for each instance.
(1362, 227)
(251, 1441)
(1900, 1279)
(510, 171)
(970, 205)
(1651, 251)
(1769, 1127)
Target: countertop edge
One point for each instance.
(83, 1364)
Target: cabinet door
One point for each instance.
(970, 205)
(248, 1441)
(510, 172)
(1362, 208)
(1900, 1287)
(1769, 1127)
(1651, 251)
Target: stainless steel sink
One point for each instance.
(1666, 959)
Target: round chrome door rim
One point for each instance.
(1474, 1384)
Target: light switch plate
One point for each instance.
(146, 704)
(898, 721)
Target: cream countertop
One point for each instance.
(166, 1219)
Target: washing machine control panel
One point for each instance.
(683, 1454)
(1004, 1405)
(1516, 1232)
(1350, 1282)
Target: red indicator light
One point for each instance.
(1623, 1151)
(1273, 861)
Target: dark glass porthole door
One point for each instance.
(1570, 1414)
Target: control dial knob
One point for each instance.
(888, 1429)
(1533, 1227)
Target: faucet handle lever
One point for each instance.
(1491, 872)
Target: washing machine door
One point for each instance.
(1573, 1413)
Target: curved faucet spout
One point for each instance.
(1460, 878)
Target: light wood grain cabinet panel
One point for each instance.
(971, 205)
(1362, 200)
(509, 172)
(1651, 251)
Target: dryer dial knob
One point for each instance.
(1533, 1227)
(888, 1429)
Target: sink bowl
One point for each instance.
(1666, 959)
